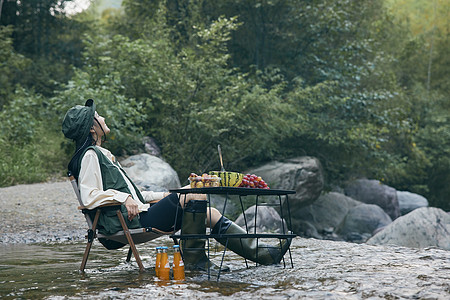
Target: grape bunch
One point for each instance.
(253, 181)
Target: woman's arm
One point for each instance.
(91, 184)
(152, 197)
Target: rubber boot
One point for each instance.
(193, 250)
(249, 248)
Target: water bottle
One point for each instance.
(178, 265)
(158, 260)
(164, 269)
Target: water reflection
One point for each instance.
(322, 269)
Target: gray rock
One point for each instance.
(325, 214)
(302, 174)
(409, 201)
(151, 147)
(145, 169)
(267, 220)
(423, 227)
(147, 186)
(363, 219)
(307, 230)
(356, 237)
(374, 192)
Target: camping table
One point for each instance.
(244, 192)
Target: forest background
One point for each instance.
(361, 85)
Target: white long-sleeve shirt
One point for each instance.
(90, 184)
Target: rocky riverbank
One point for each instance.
(47, 212)
(41, 212)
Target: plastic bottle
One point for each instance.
(178, 265)
(164, 270)
(158, 260)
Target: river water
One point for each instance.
(322, 270)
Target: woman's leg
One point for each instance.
(250, 248)
(162, 215)
(185, 198)
(212, 217)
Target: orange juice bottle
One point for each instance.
(178, 265)
(164, 270)
(158, 260)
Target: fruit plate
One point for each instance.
(204, 181)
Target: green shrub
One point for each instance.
(30, 141)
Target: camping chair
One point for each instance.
(126, 236)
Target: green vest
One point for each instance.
(108, 222)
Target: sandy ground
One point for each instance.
(42, 212)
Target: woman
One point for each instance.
(101, 180)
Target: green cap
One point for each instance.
(78, 121)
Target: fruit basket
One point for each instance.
(204, 181)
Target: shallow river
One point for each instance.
(322, 270)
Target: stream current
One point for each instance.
(322, 270)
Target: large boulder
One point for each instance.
(267, 220)
(302, 174)
(231, 208)
(423, 227)
(409, 201)
(374, 192)
(325, 214)
(362, 221)
(150, 172)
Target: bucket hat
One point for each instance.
(78, 122)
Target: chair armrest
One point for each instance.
(101, 206)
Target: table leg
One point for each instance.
(246, 225)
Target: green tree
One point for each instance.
(42, 33)
(11, 63)
(187, 98)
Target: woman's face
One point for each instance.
(101, 122)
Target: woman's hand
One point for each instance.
(132, 208)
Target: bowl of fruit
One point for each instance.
(230, 179)
(203, 181)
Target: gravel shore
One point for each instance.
(42, 212)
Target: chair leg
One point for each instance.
(130, 241)
(91, 237)
(130, 251)
(85, 256)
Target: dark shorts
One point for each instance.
(163, 214)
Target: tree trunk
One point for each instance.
(1, 5)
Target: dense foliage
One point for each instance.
(345, 81)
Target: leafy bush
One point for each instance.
(30, 141)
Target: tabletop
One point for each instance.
(234, 191)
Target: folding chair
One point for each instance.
(126, 236)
